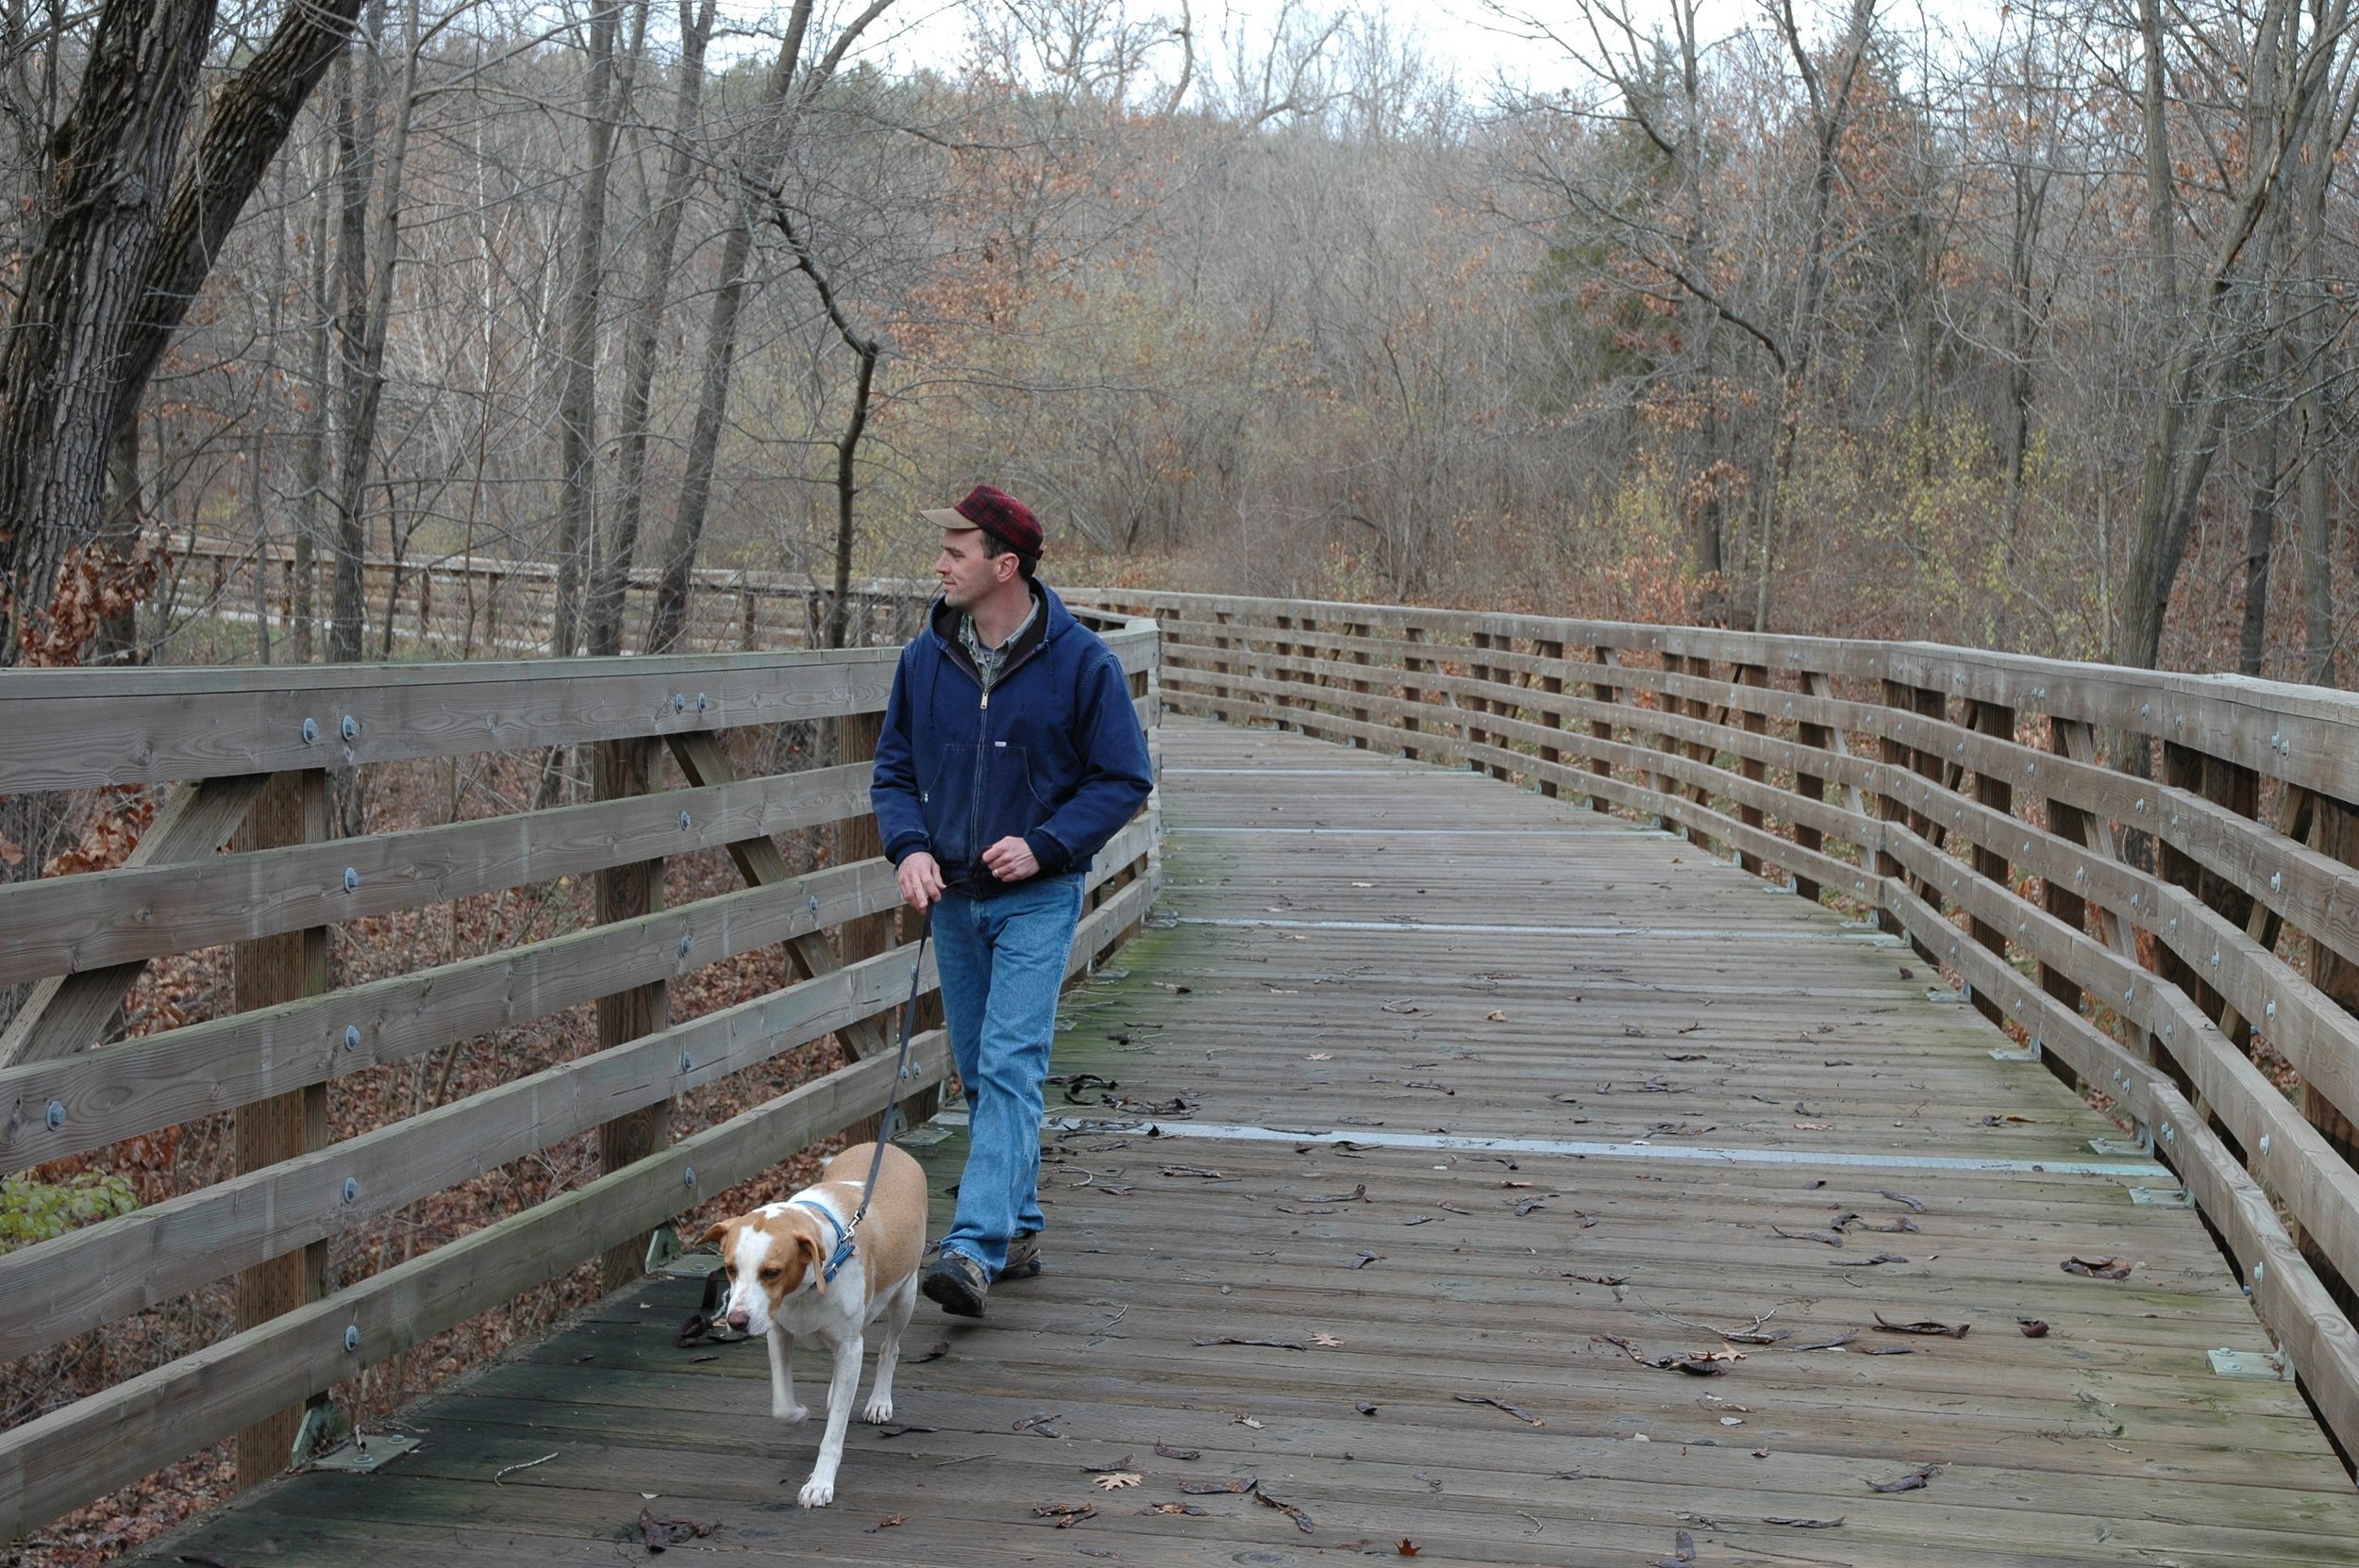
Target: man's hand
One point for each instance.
(920, 876)
(1010, 861)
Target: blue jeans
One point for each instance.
(1002, 963)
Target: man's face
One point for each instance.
(968, 576)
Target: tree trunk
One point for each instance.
(704, 443)
(61, 383)
(311, 461)
(366, 317)
(578, 386)
(116, 264)
(639, 355)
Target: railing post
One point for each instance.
(1553, 684)
(1603, 690)
(1358, 632)
(1894, 757)
(857, 838)
(2334, 833)
(1999, 795)
(1811, 787)
(292, 809)
(1225, 667)
(1480, 673)
(1753, 723)
(1410, 696)
(620, 769)
(2057, 896)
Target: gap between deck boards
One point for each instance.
(2141, 1170)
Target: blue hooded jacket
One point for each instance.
(1054, 755)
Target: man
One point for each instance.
(1010, 754)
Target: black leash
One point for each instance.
(885, 1129)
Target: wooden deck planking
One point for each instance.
(1618, 956)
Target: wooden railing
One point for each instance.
(249, 754)
(2180, 940)
(479, 607)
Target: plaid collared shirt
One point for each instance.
(989, 661)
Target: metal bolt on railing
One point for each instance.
(352, 1189)
(684, 821)
(352, 879)
(2265, 1142)
(311, 732)
(688, 1176)
(685, 943)
(54, 1117)
(351, 727)
(687, 1062)
(352, 1037)
(352, 1338)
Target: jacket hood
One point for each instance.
(944, 621)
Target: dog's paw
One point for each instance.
(878, 1409)
(792, 1413)
(816, 1494)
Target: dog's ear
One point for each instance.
(719, 1233)
(815, 1260)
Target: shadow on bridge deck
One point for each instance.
(1379, 972)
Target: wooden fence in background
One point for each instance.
(2180, 938)
(248, 754)
(475, 606)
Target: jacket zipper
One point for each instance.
(982, 747)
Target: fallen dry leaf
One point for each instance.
(1231, 1339)
(1302, 1520)
(1523, 1415)
(1219, 1489)
(1407, 1547)
(662, 1534)
(1166, 1451)
(1495, 1018)
(1174, 1508)
(1325, 1340)
(1923, 1325)
(1806, 1523)
(2032, 1328)
(1117, 1480)
(1914, 1480)
(1066, 1514)
(2096, 1267)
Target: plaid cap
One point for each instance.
(996, 513)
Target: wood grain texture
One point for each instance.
(56, 1461)
(146, 910)
(158, 1079)
(286, 967)
(1354, 948)
(67, 1014)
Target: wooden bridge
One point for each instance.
(1476, 1150)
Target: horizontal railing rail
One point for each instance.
(2151, 879)
(477, 606)
(245, 763)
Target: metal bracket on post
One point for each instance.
(662, 1247)
(2270, 1364)
(2029, 1052)
(2122, 1147)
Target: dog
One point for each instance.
(792, 1276)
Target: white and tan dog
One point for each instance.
(792, 1277)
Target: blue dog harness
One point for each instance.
(845, 1250)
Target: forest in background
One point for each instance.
(2027, 329)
